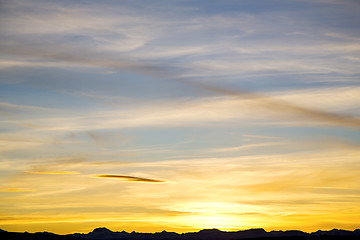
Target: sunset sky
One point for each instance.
(179, 115)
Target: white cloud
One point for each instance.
(208, 111)
(204, 42)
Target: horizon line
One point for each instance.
(197, 231)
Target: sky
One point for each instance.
(179, 115)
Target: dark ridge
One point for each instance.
(205, 234)
(101, 230)
(311, 237)
(34, 236)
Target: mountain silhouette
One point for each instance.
(103, 233)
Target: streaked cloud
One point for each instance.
(247, 110)
(246, 147)
(261, 100)
(171, 72)
(16, 190)
(260, 137)
(51, 172)
(281, 106)
(10, 107)
(130, 178)
(290, 108)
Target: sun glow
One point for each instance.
(136, 117)
(222, 222)
(215, 208)
(220, 215)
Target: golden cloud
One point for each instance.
(16, 190)
(130, 178)
(52, 172)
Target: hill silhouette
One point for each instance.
(205, 234)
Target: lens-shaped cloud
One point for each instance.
(130, 178)
(16, 190)
(52, 172)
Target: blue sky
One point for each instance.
(247, 111)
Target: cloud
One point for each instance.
(281, 106)
(130, 178)
(247, 147)
(16, 190)
(260, 137)
(205, 51)
(94, 137)
(19, 142)
(277, 109)
(91, 58)
(103, 39)
(10, 107)
(52, 172)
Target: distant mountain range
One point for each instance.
(206, 234)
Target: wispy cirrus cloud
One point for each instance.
(21, 44)
(16, 190)
(261, 100)
(309, 107)
(11, 107)
(51, 172)
(262, 82)
(130, 178)
(260, 137)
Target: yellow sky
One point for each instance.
(291, 191)
(179, 115)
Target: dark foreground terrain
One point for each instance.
(34, 236)
(207, 234)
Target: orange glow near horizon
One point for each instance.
(274, 201)
(181, 225)
(179, 115)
